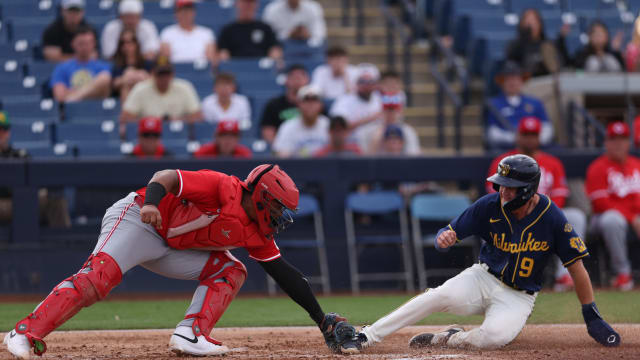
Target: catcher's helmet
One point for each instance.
(275, 197)
(517, 171)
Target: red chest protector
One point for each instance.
(217, 225)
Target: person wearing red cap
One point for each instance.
(149, 144)
(553, 183)
(187, 42)
(613, 186)
(225, 144)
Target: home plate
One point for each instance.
(437, 357)
(239, 349)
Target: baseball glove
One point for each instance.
(340, 336)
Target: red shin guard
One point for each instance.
(93, 282)
(223, 275)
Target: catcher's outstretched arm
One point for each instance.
(295, 285)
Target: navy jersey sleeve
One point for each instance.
(568, 245)
(466, 224)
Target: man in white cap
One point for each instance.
(307, 133)
(130, 19)
(57, 37)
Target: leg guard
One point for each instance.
(223, 275)
(93, 282)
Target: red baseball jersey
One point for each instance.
(611, 185)
(211, 150)
(553, 181)
(207, 214)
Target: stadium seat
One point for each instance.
(45, 150)
(579, 6)
(37, 132)
(378, 203)
(27, 9)
(40, 69)
(100, 8)
(211, 14)
(11, 71)
(437, 209)
(544, 6)
(92, 111)
(92, 133)
(203, 132)
(178, 149)
(15, 51)
(175, 132)
(28, 29)
(308, 209)
(84, 149)
(30, 111)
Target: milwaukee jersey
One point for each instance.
(611, 185)
(553, 181)
(517, 251)
(207, 214)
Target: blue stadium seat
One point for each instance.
(211, 14)
(203, 132)
(448, 12)
(29, 29)
(23, 87)
(36, 132)
(153, 9)
(11, 71)
(87, 132)
(27, 9)
(544, 6)
(43, 150)
(40, 69)
(175, 132)
(30, 111)
(177, 149)
(258, 104)
(85, 149)
(579, 6)
(17, 51)
(258, 147)
(99, 8)
(92, 111)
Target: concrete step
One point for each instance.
(351, 3)
(430, 111)
(371, 16)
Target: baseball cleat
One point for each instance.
(564, 283)
(184, 342)
(363, 340)
(434, 339)
(623, 282)
(18, 345)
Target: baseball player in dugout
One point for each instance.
(182, 225)
(521, 229)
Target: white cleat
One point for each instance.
(17, 344)
(183, 341)
(434, 339)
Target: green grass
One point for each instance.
(550, 308)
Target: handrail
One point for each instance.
(445, 89)
(394, 25)
(501, 119)
(576, 109)
(359, 18)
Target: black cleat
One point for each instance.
(430, 339)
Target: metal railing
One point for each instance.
(582, 125)
(395, 27)
(359, 18)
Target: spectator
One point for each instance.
(553, 183)
(632, 52)
(613, 185)
(57, 37)
(306, 134)
(599, 55)
(339, 144)
(185, 41)
(337, 77)
(363, 110)
(510, 107)
(226, 143)
(161, 96)
(297, 20)
(225, 105)
(392, 115)
(284, 107)
(390, 84)
(82, 77)
(392, 141)
(53, 208)
(129, 66)
(130, 19)
(248, 37)
(149, 144)
(531, 49)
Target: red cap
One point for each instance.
(228, 127)
(391, 101)
(617, 128)
(529, 125)
(150, 125)
(184, 3)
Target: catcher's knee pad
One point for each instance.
(93, 282)
(223, 275)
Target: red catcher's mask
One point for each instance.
(275, 197)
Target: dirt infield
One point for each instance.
(535, 342)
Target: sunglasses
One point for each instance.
(150, 135)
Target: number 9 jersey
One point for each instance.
(516, 251)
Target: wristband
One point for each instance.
(590, 312)
(154, 194)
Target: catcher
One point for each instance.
(182, 226)
(521, 229)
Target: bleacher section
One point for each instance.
(482, 28)
(80, 129)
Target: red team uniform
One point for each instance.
(612, 185)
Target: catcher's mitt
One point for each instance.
(340, 336)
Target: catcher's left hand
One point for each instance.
(598, 328)
(339, 335)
